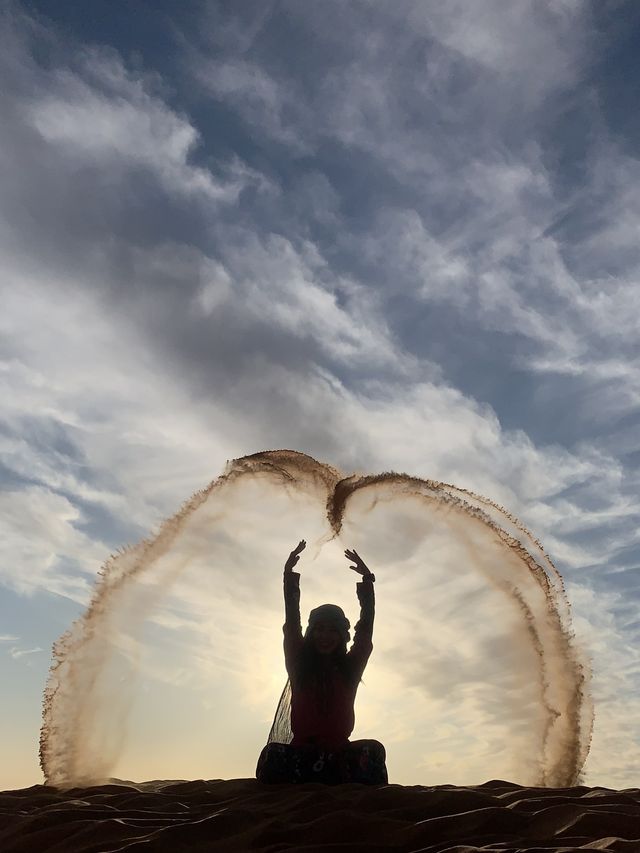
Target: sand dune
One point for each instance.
(241, 814)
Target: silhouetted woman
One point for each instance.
(316, 716)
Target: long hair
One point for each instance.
(314, 672)
(314, 667)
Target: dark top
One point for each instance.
(330, 726)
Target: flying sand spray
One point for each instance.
(75, 747)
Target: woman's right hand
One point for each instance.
(294, 556)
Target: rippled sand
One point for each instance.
(241, 814)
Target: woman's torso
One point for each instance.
(322, 711)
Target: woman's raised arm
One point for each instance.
(292, 627)
(363, 636)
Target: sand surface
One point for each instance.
(241, 814)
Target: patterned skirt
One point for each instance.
(361, 761)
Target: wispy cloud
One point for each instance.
(396, 240)
(17, 653)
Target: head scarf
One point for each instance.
(334, 615)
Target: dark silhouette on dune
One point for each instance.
(319, 698)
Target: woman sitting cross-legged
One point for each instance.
(323, 681)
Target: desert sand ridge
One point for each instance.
(243, 815)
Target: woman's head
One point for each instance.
(328, 630)
(324, 647)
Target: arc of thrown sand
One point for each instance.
(554, 575)
(62, 705)
(584, 709)
(58, 754)
(567, 766)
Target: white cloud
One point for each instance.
(511, 39)
(114, 121)
(17, 653)
(296, 291)
(38, 533)
(259, 99)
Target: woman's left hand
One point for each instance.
(360, 566)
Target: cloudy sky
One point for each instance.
(392, 235)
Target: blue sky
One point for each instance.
(390, 235)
